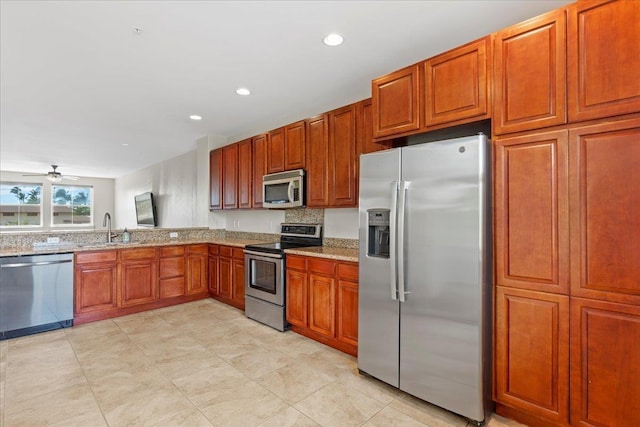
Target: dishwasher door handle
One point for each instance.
(34, 264)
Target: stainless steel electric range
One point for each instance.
(265, 284)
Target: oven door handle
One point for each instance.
(263, 254)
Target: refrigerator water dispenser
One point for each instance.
(378, 244)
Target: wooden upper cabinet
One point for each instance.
(318, 161)
(603, 59)
(532, 353)
(457, 85)
(215, 179)
(396, 102)
(259, 167)
(605, 373)
(366, 143)
(230, 176)
(245, 174)
(294, 145)
(530, 74)
(342, 157)
(275, 151)
(605, 211)
(531, 212)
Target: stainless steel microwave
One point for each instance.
(283, 189)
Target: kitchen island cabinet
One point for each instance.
(322, 301)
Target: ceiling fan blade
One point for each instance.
(71, 178)
(35, 174)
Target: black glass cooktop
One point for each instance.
(275, 247)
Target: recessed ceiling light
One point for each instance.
(195, 117)
(125, 145)
(333, 39)
(243, 91)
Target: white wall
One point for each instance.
(173, 184)
(103, 199)
(341, 223)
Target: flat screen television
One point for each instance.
(146, 214)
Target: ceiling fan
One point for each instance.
(54, 175)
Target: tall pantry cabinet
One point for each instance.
(567, 217)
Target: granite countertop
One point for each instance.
(339, 254)
(82, 247)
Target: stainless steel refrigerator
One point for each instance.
(424, 292)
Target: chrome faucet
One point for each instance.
(106, 222)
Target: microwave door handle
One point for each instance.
(290, 192)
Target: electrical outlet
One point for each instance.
(173, 235)
(53, 240)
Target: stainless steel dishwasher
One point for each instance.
(36, 294)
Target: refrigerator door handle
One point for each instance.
(400, 245)
(393, 240)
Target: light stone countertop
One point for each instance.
(338, 254)
(82, 247)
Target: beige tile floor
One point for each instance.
(196, 364)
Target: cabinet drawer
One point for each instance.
(97, 256)
(226, 251)
(322, 266)
(213, 250)
(348, 271)
(171, 287)
(172, 267)
(238, 253)
(198, 249)
(138, 253)
(296, 262)
(168, 251)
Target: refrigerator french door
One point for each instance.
(424, 271)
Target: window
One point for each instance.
(71, 205)
(20, 204)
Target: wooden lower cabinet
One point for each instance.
(231, 276)
(197, 260)
(322, 301)
(214, 280)
(96, 278)
(138, 276)
(531, 368)
(172, 271)
(605, 364)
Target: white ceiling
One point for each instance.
(76, 82)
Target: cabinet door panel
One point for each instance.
(603, 59)
(230, 174)
(605, 372)
(225, 272)
(531, 212)
(348, 312)
(366, 144)
(530, 74)
(294, 146)
(95, 287)
(245, 174)
(297, 298)
(532, 354)
(238, 283)
(457, 84)
(605, 211)
(138, 283)
(197, 277)
(275, 151)
(322, 305)
(318, 161)
(214, 283)
(215, 179)
(342, 157)
(259, 167)
(396, 102)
